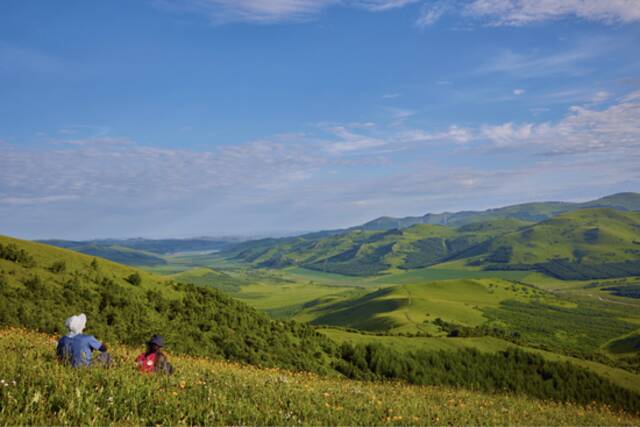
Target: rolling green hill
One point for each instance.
(585, 244)
(533, 212)
(121, 255)
(413, 308)
(580, 245)
(209, 277)
(364, 253)
(41, 285)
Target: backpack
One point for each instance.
(146, 362)
(154, 362)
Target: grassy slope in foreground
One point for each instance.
(194, 320)
(39, 391)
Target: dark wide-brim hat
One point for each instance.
(157, 340)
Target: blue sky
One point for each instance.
(167, 118)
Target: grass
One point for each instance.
(403, 343)
(324, 278)
(36, 390)
(412, 308)
(589, 236)
(76, 262)
(433, 274)
(287, 299)
(618, 376)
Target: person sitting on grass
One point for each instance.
(77, 348)
(154, 360)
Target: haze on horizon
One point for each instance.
(167, 118)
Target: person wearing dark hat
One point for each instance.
(154, 360)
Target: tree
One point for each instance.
(135, 279)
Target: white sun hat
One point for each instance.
(76, 324)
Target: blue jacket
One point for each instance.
(78, 349)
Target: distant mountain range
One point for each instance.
(597, 239)
(143, 252)
(534, 212)
(407, 243)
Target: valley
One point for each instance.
(563, 291)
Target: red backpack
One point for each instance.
(146, 363)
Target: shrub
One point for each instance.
(135, 279)
(58, 267)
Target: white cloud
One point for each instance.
(495, 12)
(82, 188)
(380, 5)
(583, 129)
(120, 170)
(350, 141)
(430, 14)
(518, 92)
(272, 11)
(452, 134)
(399, 116)
(522, 12)
(538, 64)
(507, 132)
(600, 96)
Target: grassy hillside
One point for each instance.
(209, 277)
(365, 253)
(580, 245)
(590, 243)
(42, 392)
(40, 286)
(121, 255)
(576, 324)
(412, 308)
(410, 344)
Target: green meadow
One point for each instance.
(619, 376)
(205, 392)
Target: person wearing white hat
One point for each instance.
(76, 347)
